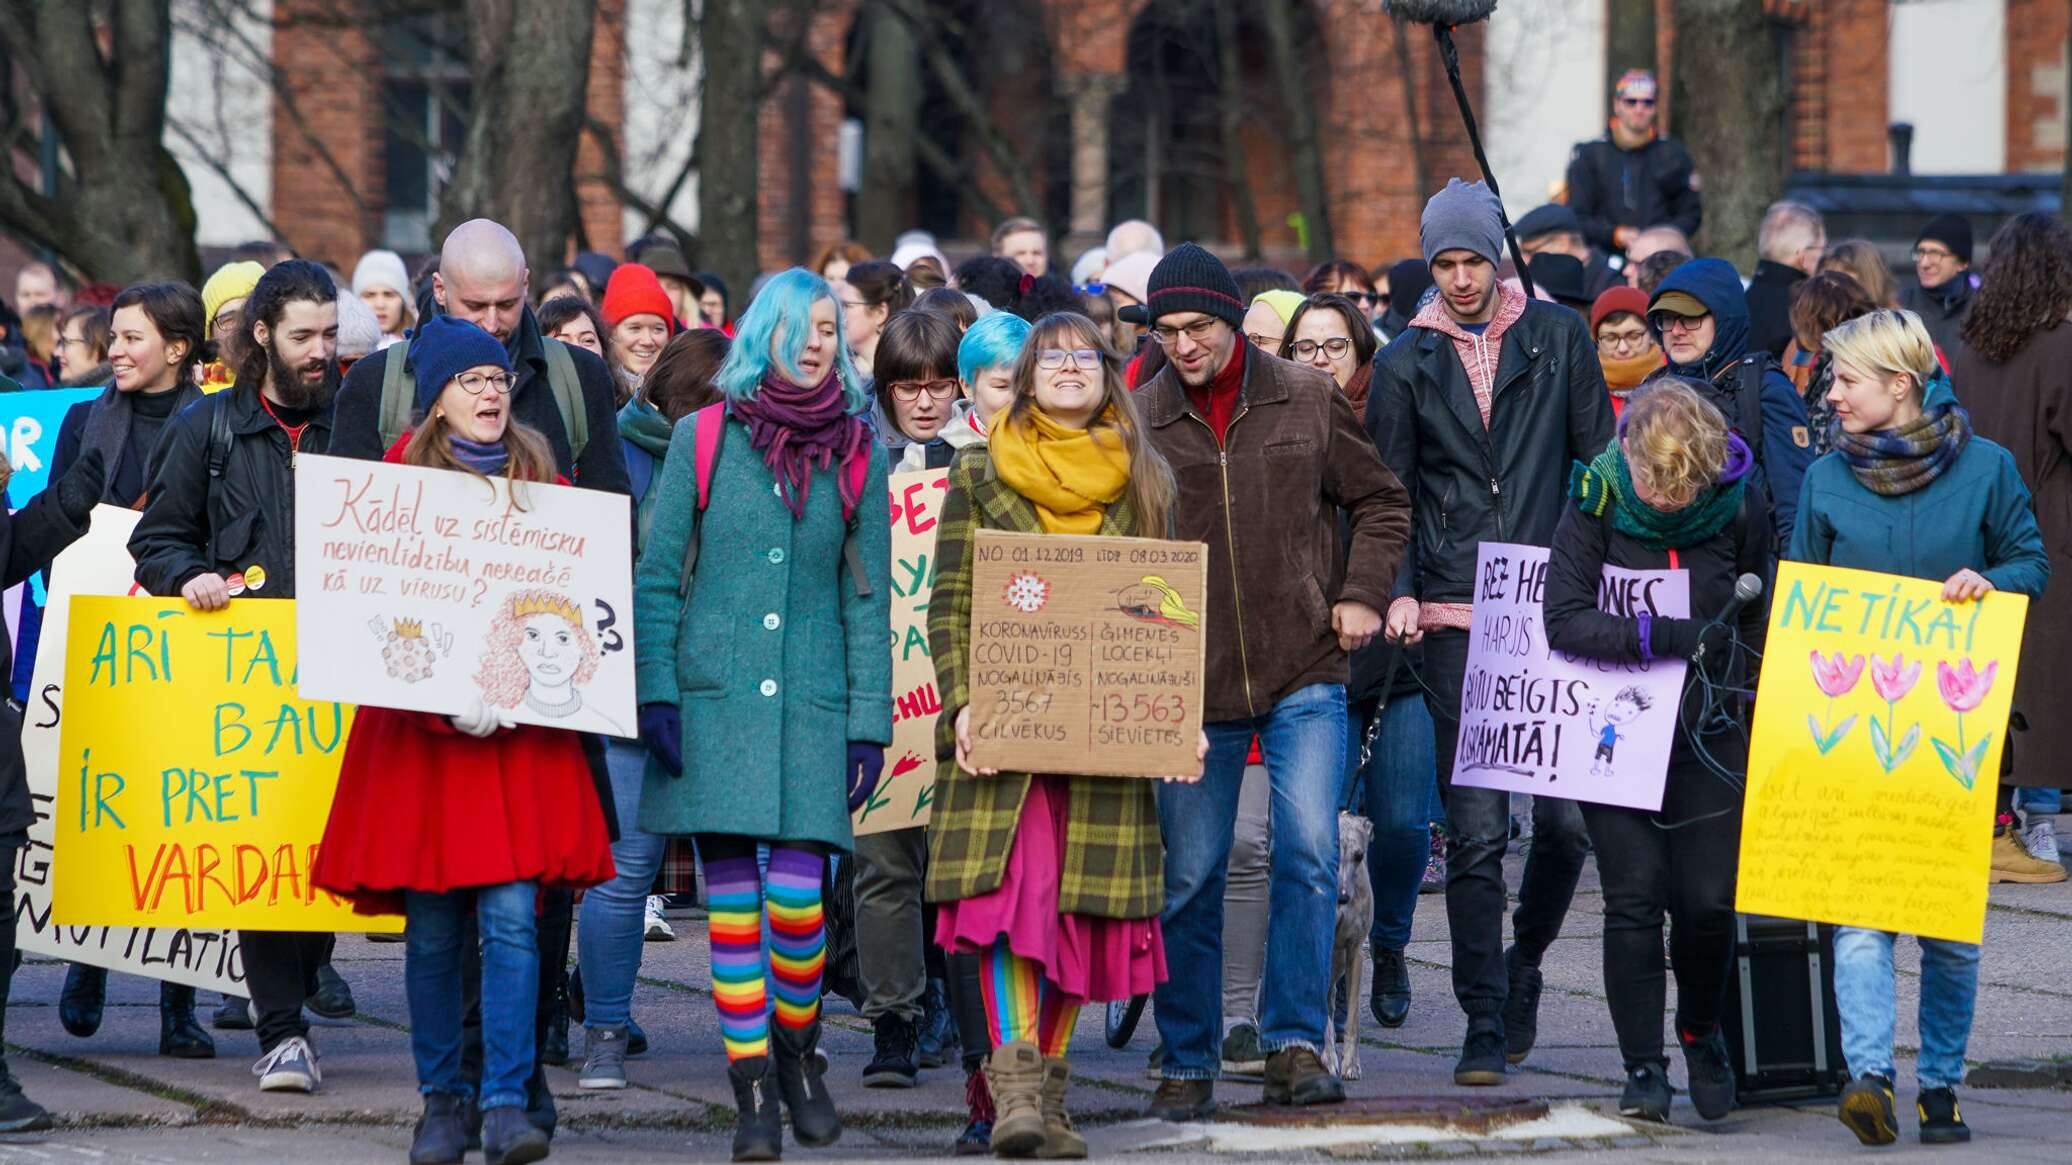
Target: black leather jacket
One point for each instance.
(1506, 481)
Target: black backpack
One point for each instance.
(1739, 397)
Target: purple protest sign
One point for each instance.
(1534, 720)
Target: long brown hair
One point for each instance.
(531, 458)
(2026, 287)
(1152, 489)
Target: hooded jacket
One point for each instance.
(1784, 448)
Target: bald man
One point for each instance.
(483, 279)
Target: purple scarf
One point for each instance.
(799, 430)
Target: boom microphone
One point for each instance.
(1449, 13)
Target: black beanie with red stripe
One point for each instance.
(1189, 278)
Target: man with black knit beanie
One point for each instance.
(1266, 454)
(1943, 292)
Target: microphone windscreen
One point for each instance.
(1748, 588)
(1443, 12)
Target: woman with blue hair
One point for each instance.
(985, 366)
(777, 630)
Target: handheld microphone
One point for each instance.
(1447, 13)
(1747, 589)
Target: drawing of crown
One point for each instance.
(533, 603)
(409, 628)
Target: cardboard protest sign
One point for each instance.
(210, 816)
(30, 422)
(98, 564)
(1086, 654)
(1881, 715)
(902, 797)
(1536, 720)
(430, 589)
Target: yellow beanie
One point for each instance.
(1282, 302)
(231, 281)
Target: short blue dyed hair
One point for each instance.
(996, 339)
(785, 306)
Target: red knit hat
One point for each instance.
(1613, 301)
(634, 291)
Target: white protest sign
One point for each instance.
(428, 589)
(98, 564)
(1535, 720)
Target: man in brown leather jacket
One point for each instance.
(1266, 453)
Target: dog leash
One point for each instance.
(1372, 729)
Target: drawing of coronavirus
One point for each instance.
(1026, 592)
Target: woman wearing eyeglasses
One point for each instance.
(1626, 349)
(1327, 332)
(918, 394)
(1053, 882)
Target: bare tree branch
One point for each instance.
(210, 158)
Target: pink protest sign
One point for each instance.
(1535, 720)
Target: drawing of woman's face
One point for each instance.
(550, 650)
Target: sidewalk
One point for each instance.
(120, 1102)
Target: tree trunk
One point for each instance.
(530, 64)
(1292, 74)
(1237, 179)
(1730, 97)
(891, 117)
(731, 37)
(1629, 39)
(123, 211)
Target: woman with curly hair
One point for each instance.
(2010, 371)
(1819, 305)
(447, 816)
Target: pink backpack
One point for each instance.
(712, 427)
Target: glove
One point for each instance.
(661, 729)
(866, 765)
(81, 487)
(1672, 638)
(478, 721)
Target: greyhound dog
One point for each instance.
(1349, 944)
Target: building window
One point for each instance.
(426, 91)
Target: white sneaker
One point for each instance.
(658, 930)
(2041, 839)
(290, 1067)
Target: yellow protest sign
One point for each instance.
(193, 782)
(901, 798)
(1880, 720)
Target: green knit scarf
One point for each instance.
(1606, 485)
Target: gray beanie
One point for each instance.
(1464, 216)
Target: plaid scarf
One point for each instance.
(1899, 461)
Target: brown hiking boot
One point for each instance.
(2012, 861)
(1014, 1074)
(1297, 1076)
(1060, 1139)
(1184, 1100)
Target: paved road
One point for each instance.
(122, 1103)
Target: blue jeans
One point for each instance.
(1303, 741)
(1863, 994)
(613, 928)
(2046, 801)
(1402, 800)
(510, 977)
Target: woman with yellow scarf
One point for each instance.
(1049, 885)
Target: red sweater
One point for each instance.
(1217, 401)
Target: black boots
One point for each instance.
(936, 1044)
(179, 1035)
(81, 1002)
(442, 1136)
(814, 1121)
(508, 1138)
(760, 1135)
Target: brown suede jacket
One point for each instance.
(1267, 502)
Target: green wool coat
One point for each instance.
(1114, 865)
(775, 660)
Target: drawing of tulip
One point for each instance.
(1893, 678)
(1835, 677)
(1964, 688)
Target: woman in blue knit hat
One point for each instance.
(439, 816)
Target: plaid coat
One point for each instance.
(1114, 864)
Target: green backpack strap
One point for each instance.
(568, 397)
(398, 388)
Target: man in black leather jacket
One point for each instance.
(1479, 408)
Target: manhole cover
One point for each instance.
(1469, 1114)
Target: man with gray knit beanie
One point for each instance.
(1267, 455)
(1480, 406)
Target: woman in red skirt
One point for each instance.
(436, 815)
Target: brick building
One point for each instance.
(1109, 109)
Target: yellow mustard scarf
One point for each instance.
(1071, 475)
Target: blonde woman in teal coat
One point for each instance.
(765, 677)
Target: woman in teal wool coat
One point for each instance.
(765, 677)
